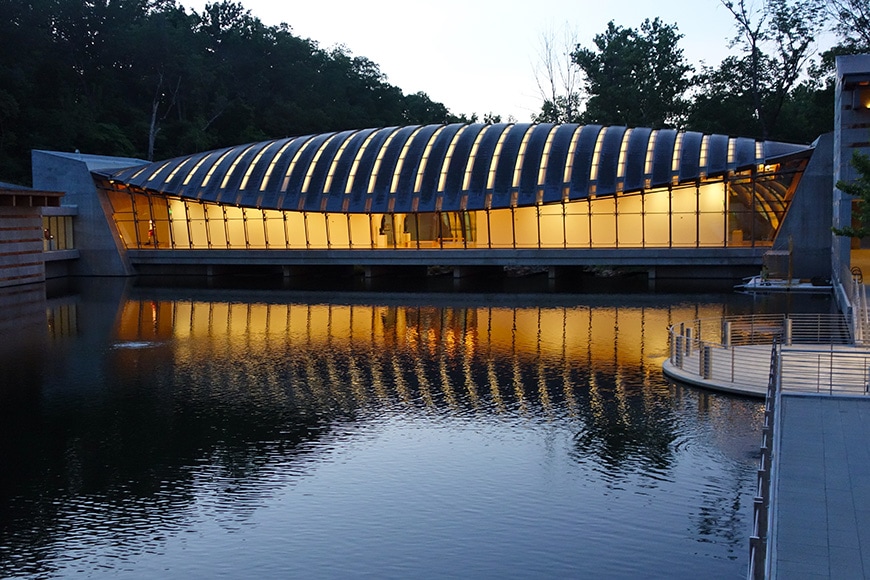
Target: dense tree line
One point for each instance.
(147, 78)
(772, 86)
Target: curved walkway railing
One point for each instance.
(735, 351)
(768, 355)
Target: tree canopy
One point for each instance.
(635, 77)
(146, 78)
(771, 86)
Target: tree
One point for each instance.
(635, 77)
(777, 42)
(558, 79)
(146, 78)
(851, 23)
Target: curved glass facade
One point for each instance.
(463, 186)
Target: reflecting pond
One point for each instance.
(152, 432)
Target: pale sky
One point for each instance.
(479, 56)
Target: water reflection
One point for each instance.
(169, 413)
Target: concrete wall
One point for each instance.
(808, 223)
(21, 260)
(100, 253)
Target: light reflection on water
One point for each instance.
(454, 437)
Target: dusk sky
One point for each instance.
(479, 56)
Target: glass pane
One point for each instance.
(338, 234)
(501, 228)
(256, 228)
(552, 226)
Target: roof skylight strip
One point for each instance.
(401, 163)
(196, 167)
(313, 163)
(352, 176)
(253, 164)
(331, 174)
(650, 153)
(678, 153)
(274, 162)
(702, 158)
(377, 167)
(235, 163)
(442, 179)
(424, 161)
(623, 154)
(156, 171)
(175, 171)
(521, 155)
(545, 156)
(214, 166)
(293, 163)
(569, 161)
(596, 155)
(466, 182)
(496, 155)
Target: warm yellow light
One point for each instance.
(374, 176)
(424, 161)
(328, 185)
(623, 152)
(596, 155)
(215, 166)
(292, 165)
(235, 163)
(313, 164)
(251, 166)
(650, 149)
(521, 155)
(466, 183)
(401, 163)
(351, 178)
(569, 161)
(442, 180)
(545, 157)
(271, 165)
(678, 151)
(496, 155)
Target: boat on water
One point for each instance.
(763, 283)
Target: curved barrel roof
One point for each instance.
(448, 167)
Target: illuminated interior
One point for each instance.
(463, 186)
(745, 209)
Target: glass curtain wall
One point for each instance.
(742, 209)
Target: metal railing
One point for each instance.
(706, 347)
(818, 353)
(860, 315)
(758, 569)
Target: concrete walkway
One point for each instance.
(820, 497)
(821, 488)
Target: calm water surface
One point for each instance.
(150, 433)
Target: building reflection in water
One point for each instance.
(589, 362)
(164, 404)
